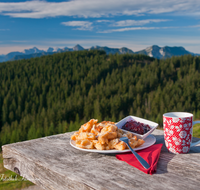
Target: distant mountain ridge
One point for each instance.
(164, 52)
(113, 50)
(152, 51)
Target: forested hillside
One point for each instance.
(56, 93)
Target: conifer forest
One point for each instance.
(57, 93)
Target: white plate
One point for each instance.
(151, 124)
(150, 140)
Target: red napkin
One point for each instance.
(150, 154)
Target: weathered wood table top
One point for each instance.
(51, 163)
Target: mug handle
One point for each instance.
(193, 144)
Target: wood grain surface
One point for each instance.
(51, 163)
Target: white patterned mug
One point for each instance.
(178, 129)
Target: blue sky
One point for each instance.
(135, 24)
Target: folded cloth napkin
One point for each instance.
(150, 154)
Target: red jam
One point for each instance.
(136, 127)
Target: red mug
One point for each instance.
(178, 129)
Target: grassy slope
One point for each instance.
(196, 130)
(10, 180)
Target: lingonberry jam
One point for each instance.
(136, 127)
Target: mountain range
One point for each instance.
(152, 51)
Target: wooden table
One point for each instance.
(51, 163)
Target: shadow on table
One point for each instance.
(165, 156)
(195, 149)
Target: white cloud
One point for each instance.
(124, 23)
(4, 29)
(81, 25)
(98, 8)
(195, 26)
(104, 21)
(19, 41)
(182, 41)
(134, 28)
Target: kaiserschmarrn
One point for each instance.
(103, 136)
